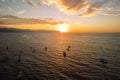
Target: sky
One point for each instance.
(61, 15)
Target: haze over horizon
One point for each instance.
(61, 15)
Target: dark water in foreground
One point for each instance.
(81, 63)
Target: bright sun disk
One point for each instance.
(62, 27)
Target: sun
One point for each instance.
(62, 27)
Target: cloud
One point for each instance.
(4, 1)
(31, 3)
(70, 6)
(112, 8)
(112, 13)
(91, 7)
(34, 3)
(9, 19)
(63, 5)
(21, 12)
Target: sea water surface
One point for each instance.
(82, 61)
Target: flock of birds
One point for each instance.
(20, 74)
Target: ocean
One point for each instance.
(90, 56)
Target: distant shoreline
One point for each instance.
(6, 30)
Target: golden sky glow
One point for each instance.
(61, 15)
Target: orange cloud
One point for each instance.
(9, 19)
(71, 5)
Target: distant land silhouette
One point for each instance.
(4, 29)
